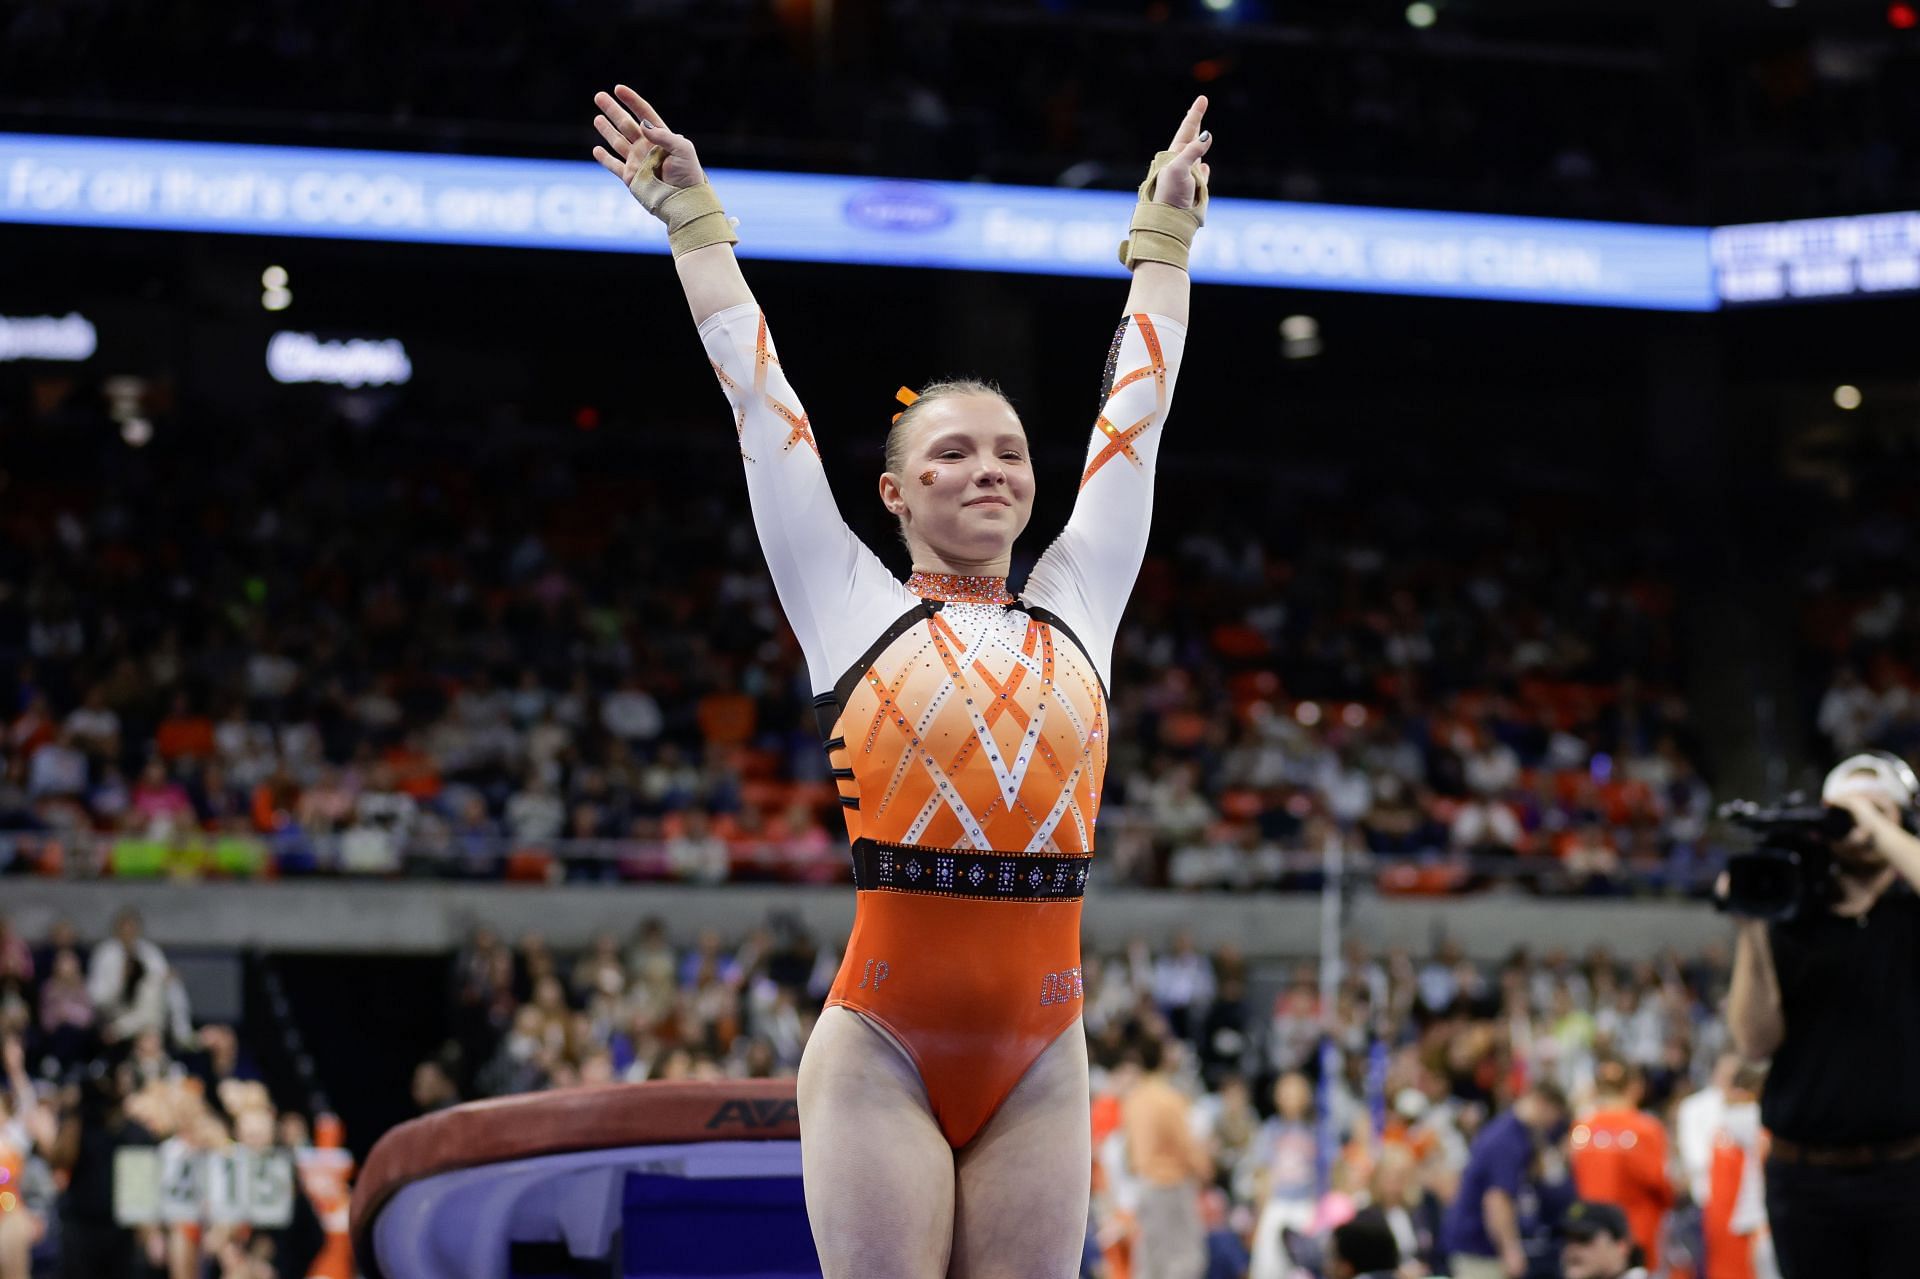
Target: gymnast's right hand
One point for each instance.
(634, 132)
(660, 168)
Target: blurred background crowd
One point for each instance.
(271, 688)
(1307, 1097)
(101, 1053)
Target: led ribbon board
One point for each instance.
(71, 337)
(1864, 256)
(554, 204)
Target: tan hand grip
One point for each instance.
(693, 214)
(1160, 232)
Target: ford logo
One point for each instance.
(899, 208)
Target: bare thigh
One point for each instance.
(878, 1172)
(1021, 1204)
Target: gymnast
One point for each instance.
(943, 1094)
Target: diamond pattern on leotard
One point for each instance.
(978, 729)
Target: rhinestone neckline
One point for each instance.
(959, 588)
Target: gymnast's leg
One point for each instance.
(1021, 1204)
(878, 1172)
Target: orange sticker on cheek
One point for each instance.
(928, 477)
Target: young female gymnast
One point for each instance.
(943, 1094)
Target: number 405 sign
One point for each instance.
(177, 1184)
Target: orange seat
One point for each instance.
(530, 866)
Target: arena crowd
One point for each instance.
(1290, 1112)
(100, 1054)
(406, 661)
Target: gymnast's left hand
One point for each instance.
(1179, 181)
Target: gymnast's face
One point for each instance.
(965, 489)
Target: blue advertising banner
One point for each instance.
(556, 204)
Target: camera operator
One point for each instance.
(1833, 996)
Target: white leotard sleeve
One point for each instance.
(1087, 574)
(837, 594)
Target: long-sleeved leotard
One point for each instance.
(967, 730)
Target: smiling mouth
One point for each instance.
(989, 501)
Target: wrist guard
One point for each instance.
(1160, 232)
(693, 214)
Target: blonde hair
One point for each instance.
(946, 388)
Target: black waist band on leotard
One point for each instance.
(968, 872)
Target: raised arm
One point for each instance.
(836, 593)
(634, 132)
(1087, 574)
(1161, 286)
(1756, 1019)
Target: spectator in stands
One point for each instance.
(536, 814)
(1592, 861)
(671, 782)
(475, 838)
(285, 1252)
(697, 855)
(1412, 1213)
(1363, 1248)
(523, 1060)
(1286, 1178)
(1183, 985)
(1171, 1166)
(94, 727)
(630, 713)
(433, 1088)
(1733, 1204)
(1695, 1121)
(127, 982)
(57, 769)
(26, 1132)
(601, 968)
(1484, 825)
(1483, 1229)
(93, 1127)
(1619, 1154)
(383, 817)
(1598, 1244)
(66, 1010)
(1295, 1024)
(1849, 712)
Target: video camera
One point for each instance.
(1792, 869)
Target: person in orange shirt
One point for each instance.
(1620, 1155)
(326, 1171)
(1734, 1216)
(185, 732)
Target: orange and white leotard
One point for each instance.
(967, 729)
